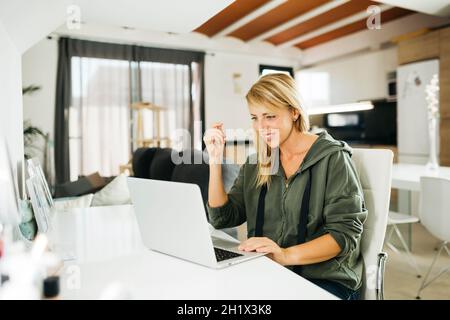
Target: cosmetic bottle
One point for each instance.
(50, 288)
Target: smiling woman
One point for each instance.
(301, 198)
(272, 120)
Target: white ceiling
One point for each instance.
(433, 7)
(179, 16)
(28, 22)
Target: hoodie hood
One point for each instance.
(324, 146)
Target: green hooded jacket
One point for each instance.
(336, 207)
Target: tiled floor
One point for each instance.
(400, 278)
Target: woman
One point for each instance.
(308, 212)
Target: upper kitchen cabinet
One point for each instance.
(421, 48)
(347, 80)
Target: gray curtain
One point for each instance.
(69, 48)
(62, 103)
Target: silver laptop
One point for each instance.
(172, 220)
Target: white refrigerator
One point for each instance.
(412, 119)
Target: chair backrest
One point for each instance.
(435, 206)
(374, 167)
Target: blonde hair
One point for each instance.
(275, 91)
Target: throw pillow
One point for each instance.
(114, 193)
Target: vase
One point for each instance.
(432, 135)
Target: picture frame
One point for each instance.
(39, 203)
(35, 170)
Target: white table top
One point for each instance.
(106, 244)
(407, 176)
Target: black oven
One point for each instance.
(376, 126)
(347, 126)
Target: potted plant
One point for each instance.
(30, 132)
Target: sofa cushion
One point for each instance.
(161, 166)
(84, 185)
(142, 158)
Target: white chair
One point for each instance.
(374, 167)
(435, 217)
(395, 219)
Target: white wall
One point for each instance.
(10, 98)
(435, 7)
(357, 77)
(225, 56)
(222, 103)
(27, 22)
(39, 65)
(186, 41)
(22, 23)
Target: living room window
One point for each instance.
(99, 117)
(97, 84)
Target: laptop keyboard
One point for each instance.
(225, 255)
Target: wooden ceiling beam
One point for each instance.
(273, 18)
(228, 16)
(300, 19)
(338, 13)
(330, 27)
(386, 16)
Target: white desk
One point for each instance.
(108, 249)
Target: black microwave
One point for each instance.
(392, 90)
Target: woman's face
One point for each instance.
(272, 125)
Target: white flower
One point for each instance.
(431, 91)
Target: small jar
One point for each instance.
(50, 288)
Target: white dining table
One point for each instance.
(406, 178)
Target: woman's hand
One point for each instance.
(215, 142)
(266, 245)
